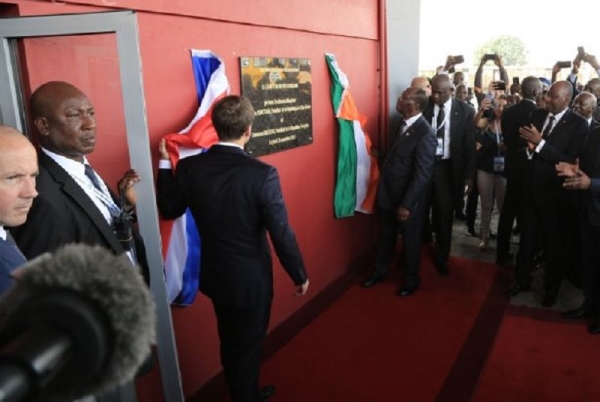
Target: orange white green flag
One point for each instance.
(357, 170)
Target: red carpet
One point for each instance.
(455, 340)
(371, 345)
(536, 359)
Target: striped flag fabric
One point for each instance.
(357, 170)
(181, 240)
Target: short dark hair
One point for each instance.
(231, 117)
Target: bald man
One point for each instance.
(585, 104)
(554, 135)
(515, 164)
(18, 172)
(422, 83)
(453, 122)
(74, 205)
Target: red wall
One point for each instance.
(283, 28)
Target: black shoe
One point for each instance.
(549, 299)
(580, 312)
(594, 327)
(442, 268)
(471, 231)
(372, 280)
(408, 288)
(504, 260)
(264, 393)
(515, 289)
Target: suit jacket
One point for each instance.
(407, 170)
(590, 164)
(514, 117)
(63, 213)
(462, 143)
(234, 199)
(10, 259)
(563, 145)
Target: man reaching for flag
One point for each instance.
(180, 236)
(235, 200)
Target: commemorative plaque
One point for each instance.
(280, 91)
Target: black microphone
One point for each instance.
(77, 322)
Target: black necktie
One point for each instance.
(89, 172)
(546, 132)
(402, 127)
(440, 121)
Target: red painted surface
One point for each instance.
(283, 28)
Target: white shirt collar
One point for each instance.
(410, 121)
(448, 104)
(70, 165)
(2, 233)
(230, 144)
(558, 116)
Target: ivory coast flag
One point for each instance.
(357, 170)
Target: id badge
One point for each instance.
(439, 151)
(499, 164)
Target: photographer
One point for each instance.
(490, 162)
(478, 75)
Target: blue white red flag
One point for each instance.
(182, 248)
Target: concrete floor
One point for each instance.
(569, 297)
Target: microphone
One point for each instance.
(77, 322)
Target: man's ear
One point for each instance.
(247, 133)
(42, 125)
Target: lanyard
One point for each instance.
(102, 196)
(434, 121)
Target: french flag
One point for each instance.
(182, 248)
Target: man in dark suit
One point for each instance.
(405, 179)
(74, 204)
(554, 135)
(585, 104)
(515, 163)
(235, 200)
(18, 171)
(585, 176)
(455, 166)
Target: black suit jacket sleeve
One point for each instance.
(577, 131)
(276, 221)
(170, 200)
(423, 170)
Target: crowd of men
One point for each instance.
(549, 154)
(549, 157)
